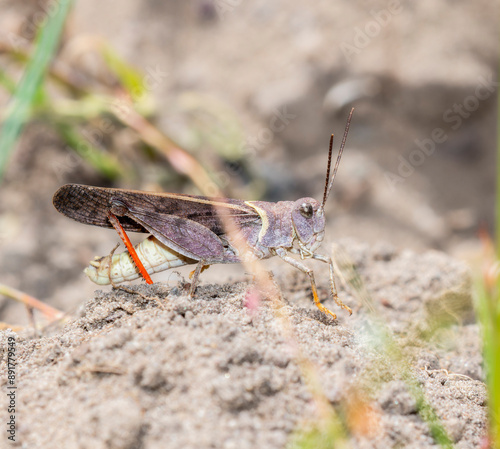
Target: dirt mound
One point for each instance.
(170, 372)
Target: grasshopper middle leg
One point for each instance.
(295, 263)
(195, 275)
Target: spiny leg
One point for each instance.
(333, 287)
(295, 263)
(123, 235)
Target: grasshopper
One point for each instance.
(187, 229)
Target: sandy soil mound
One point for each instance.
(207, 373)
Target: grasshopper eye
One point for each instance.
(306, 210)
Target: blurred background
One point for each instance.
(253, 90)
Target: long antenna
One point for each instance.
(341, 150)
(325, 194)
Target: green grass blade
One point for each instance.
(384, 343)
(26, 94)
(497, 205)
(489, 313)
(487, 308)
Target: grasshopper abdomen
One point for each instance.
(117, 268)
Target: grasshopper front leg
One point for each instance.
(333, 287)
(281, 252)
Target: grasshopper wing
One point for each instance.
(184, 236)
(90, 205)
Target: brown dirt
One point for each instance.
(206, 373)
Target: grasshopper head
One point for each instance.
(309, 223)
(308, 215)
